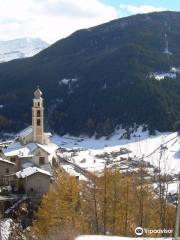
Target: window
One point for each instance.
(38, 122)
(7, 170)
(38, 104)
(13, 159)
(41, 160)
(38, 113)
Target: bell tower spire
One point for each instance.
(38, 117)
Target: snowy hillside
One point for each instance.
(151, 148)
(162, 150)
(20, 48)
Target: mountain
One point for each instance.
(118, 73)
(20, 48)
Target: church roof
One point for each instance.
(50, 148)
(17, 149)
(37, 93)
(25, 132)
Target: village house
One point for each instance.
(34, 180)
(6, 168)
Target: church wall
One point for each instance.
(27, 139)
(40, 153)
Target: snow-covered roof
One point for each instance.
(48, 134)
(16, 149)
(25, 132)
(6, 161)
(29, 171)
(50, 148)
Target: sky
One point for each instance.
(52, 20)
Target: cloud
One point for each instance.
(51, 19)
(72, 8)
(133, 9)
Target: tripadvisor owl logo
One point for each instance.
(139, 231)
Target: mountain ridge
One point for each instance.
(20, 48)
(111, 65)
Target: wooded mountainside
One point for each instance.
(99, 78)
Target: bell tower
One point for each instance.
(38, 117)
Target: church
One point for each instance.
(33, 146)
(35, 133)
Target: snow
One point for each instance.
(16, 149)
(5, 226)
(175, 69)
(30, 171)
(67, 81)
(100, 237)
(20, 48)
(140, 145)
(161, 76)
(50, 148)
(166, 51)
(25, 132)
(173, 187)
(69, 169)
(48, 134)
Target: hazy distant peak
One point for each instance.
(20, 48)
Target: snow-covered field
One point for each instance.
(162, 149)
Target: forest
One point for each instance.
(110, 203)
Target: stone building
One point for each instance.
(33, 145)
(34, 180)
(6, 167)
